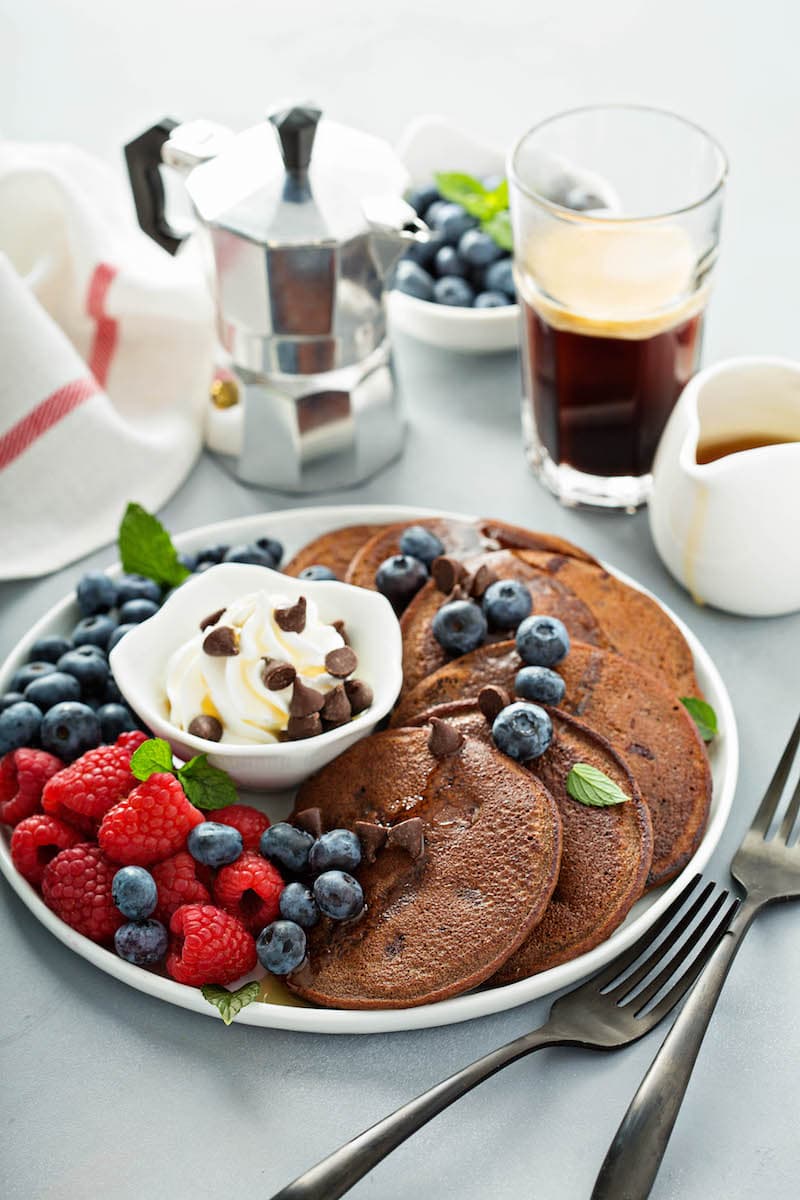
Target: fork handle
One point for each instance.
(337, 1173)
(635, 1155)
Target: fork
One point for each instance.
(612, 1009)
(767, 869)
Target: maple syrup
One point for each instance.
(714, 448)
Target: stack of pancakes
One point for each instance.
(515, 876)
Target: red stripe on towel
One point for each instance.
(48, 413)
(105, 338)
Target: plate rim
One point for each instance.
(486, 1002)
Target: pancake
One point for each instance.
(422, 654)
(605, 854)
(334, 549)
(644, 722)
(444, 922)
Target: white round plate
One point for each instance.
(294, 528)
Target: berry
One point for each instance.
(287, 846)
(423, 252)
(134, 892)
(10, 698)
(297, 904)
(25, 675)
(214, 844)
(92, 784)
(506, 603)
(453, 290)
(421, 198)
(188, 560)
(36, 841)
(490, 300)
(540, 683)
(69, 729)
(459, 626)
(250, 822)
(478, 248)
(448, 261)
(281, 947)
(89, 666)
(137, 587)
(150, 823)
(414, 280)
(250, 554)
(542, 641)
(115, 719)
(400, 577)
(96, 593)
(418, 542)
(77, 886)
(49, 648)
(111, 693)
(212, 555)
(250, 888)
(208, 946)
(499, 277)
(52, 689)
(522, 731)
(94, 631)
(133, 612)
(20, 724)
(338, 848)
(177, 883)
(316, 571)
(118, 635)
(131, 740)
(272, 547)
(452, 221)
(23, 775)
(143, 943)
(338, 895)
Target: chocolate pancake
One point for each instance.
(334, 549)
(644, 722)
(445, 921)
(422, 654)
(605, 854)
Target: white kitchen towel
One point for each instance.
(106, 345)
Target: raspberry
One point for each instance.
(250, 889)
(208, 946)
(38, 839)
(77, 886)
(250, 822)
(23, 774)
(177, 883)
(93, 783)
(150, 823)
(131, 740)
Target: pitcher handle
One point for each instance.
(143, 159)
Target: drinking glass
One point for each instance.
(616, 215)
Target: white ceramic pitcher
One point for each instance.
(729, 530)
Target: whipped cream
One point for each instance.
(231, 688)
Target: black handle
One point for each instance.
(296, 128)
(143, 158)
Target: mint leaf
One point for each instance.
(462, 189)
(152, 756)
(703, 716)
(230, 1003)
(146, 548)
(499, 196)
(207, 787)
(589, 786)
(499, 228)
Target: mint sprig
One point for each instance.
(589, 786)
(206, 787)
(230, 1003)
(703, 716)
(146, 548)
(151, 757)
(489, 206)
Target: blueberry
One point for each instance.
(118, 635)
(452, 290)
(133, 612)
(506, 603)
(522, 731)
(272, 547)
(281, 947)
(20, 725)
(95, 631)
(491, 300)
(188, 560)
(583, 199)
(89, 666)
(52, 689)
(25, 675)
(419, 542)
(540, 683)
(297, 904)
(499, 277)
(542, 641)
(337, 848)
(96, 593)
(424, 252)
(134, 892)
(478, 248)
(421, 198)
(212, 554)
(137, 587)
(111, 693)
(10, 698)
(338, 895)
(400, 577)
(287, 846)
(414, 280)
(447, 261)
(143, 943)
(459, 626)
(452, 221)
(316, 571)
(115, 719)
(49, 648)
(214, 844)
(69, 729)
(250, 554)
(432, 215)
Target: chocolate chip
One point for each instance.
(491, 701)
(206, 727)
(446, 572)
(277, 675)
(341, 662)
(359, 694)
(222, 642)
(408, 836)
(444, 738)
(371, 836)
(336, 708)
(305, 700)
(292, 619)
(341, 629)
(310, 819)
(481, 580)
(212, 618)
(304, 727)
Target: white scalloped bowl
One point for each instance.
(139, 663)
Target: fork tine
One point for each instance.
(766, 810)
(682, 985)
(787, 824)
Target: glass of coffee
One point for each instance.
(616, 214)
